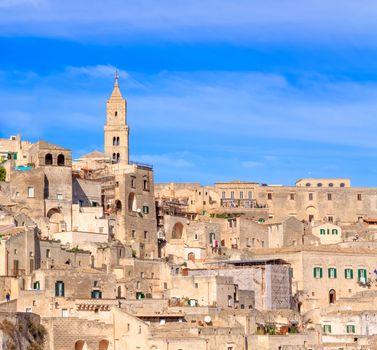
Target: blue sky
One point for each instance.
(269, 91)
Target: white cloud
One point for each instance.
(221, 20)
(251, 164)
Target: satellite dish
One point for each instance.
(207, 319)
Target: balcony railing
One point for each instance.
(241, 203)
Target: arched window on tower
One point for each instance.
(114, 141)
(118, 157)
(117, 141)
(114, 157)
(61, 160)
(48, 159)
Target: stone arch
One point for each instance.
(56, 220)
(48, 159)
(81, 345)
(103, 345)
(61, 160)
(191, 256)
(312, 213)
(177, 231)
(132, 205)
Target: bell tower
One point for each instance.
(116, 128)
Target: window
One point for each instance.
(116, 113)
(269, 196)
(145, 185)
(330, 219)
(195, 236)
(81, 203)
(17, 194)
(30, 192)
(329, 196)
(241, 195)
(292, 196)
(196, 285)
(307, 184)
(319, 184)
(48, 159)
(342, 184)
(145, 234)
(223, 194)
(133, 233)
(59, 289)
(114, 141)
(165, 285)
(334, 231)
(61, 160)
(348, 274)
(96, 294)
(232, 195)
(142, 275)
(351, 329)
(326, 328)
(310, 196)
(362, 275)
(331, 272)
(59, 196)
(48, 253)
(118, 141)
(317, 272)
(250, 195)
(331, 184)
(15, 251)
(359, 196)
(100, 229)
(145, 209)
(133, 182)
(322, 231)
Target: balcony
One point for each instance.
(241, 203)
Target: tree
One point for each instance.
(3, 173)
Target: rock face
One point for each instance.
(21, 331)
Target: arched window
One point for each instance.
(118, 141)
(308, 184)
(119, 292)
(334, 231)
(332, 296)
(48, 159)
(114, 157)
(118, 157)
(145, 185)
(319, 184)
(61, 160)
(132, 202)
(342, 184)
(322, 231)
(331, 184)
(114, 141)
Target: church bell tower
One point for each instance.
(116, 128)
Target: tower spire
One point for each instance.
(116, 92)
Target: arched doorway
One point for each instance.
(81, 345)
(56, 220)
(177, 231)
(191, 257)
(312, 213)
(332, 296)
(103, 345)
